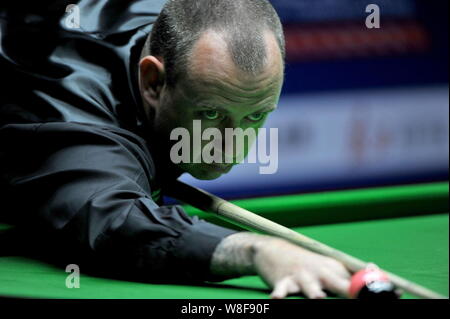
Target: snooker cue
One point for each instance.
(241, 217)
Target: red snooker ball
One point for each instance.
(371, 283)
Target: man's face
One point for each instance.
(221, 96)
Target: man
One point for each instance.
(85, 122)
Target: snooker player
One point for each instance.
(85, 117)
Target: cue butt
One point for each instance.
(253, 222)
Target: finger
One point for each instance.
(336, 284)
(344, 272)
(340, 269)
(294, 288)
(311, 287)
(281, 289)
(284, 288)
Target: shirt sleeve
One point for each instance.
(88, 189)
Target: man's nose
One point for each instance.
(229, 152)
(229, 149)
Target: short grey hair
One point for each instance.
(244, 22)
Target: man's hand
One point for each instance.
(285, 267)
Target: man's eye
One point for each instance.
(211, 115)
(257, 117)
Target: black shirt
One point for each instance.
(78, 169)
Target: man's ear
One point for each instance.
(152, 77)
